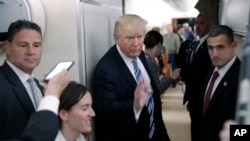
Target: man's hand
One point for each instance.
(140, 95)
(225, 132)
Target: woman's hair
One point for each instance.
(152, 38)
(71, 95)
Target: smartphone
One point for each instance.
(58, 68)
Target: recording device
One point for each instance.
(58, 68)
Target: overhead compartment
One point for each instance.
(235, 13)
(12, 10)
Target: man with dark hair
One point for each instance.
(18, 98)
(197, 71)
(219, 95)
(153, 47)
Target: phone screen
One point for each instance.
(58, 68)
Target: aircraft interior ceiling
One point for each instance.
(33, 10)
(183, 5)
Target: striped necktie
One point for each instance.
(36, 92)
(150, 101)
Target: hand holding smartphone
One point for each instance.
(58, 68)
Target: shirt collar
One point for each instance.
(202, 39)
(222, 71)
(21, 74)
(125, 58)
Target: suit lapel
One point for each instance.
(126, 72)
(123, 68)
(18, 89)
(201, 48)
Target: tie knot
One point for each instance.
(196, 43)
(134, 59)
(216, 74)
(31, 79)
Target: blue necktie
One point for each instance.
(150, 101)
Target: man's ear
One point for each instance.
(116, 39)
(234, 44)
(7, 46)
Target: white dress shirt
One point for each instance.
(128, 62)
(222, 71)
(60, 137)
(50, 103)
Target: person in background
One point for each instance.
(160, 59)
(125, 90)
(189, 34)
(75, 113)
(153, 47)
(172, 43)
(23, 54)
(181, 33)
(218, 100)
(156, 28)
(197, 72)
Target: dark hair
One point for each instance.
(71, 95)
(179, 26)
(222, 30)
(18, 25)
(152, 38)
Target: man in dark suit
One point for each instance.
(222, 101)
(119, 99)
(43, 125)
(189, 34)
(23, 53)
(200, 64)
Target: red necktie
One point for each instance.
(209, 91)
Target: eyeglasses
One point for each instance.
(131, 39)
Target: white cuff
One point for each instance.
(137, 115)
(50, 103)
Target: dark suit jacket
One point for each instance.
(15, 104)
(114, 87)
(42, 126)
(221, 106)
(198, 71)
